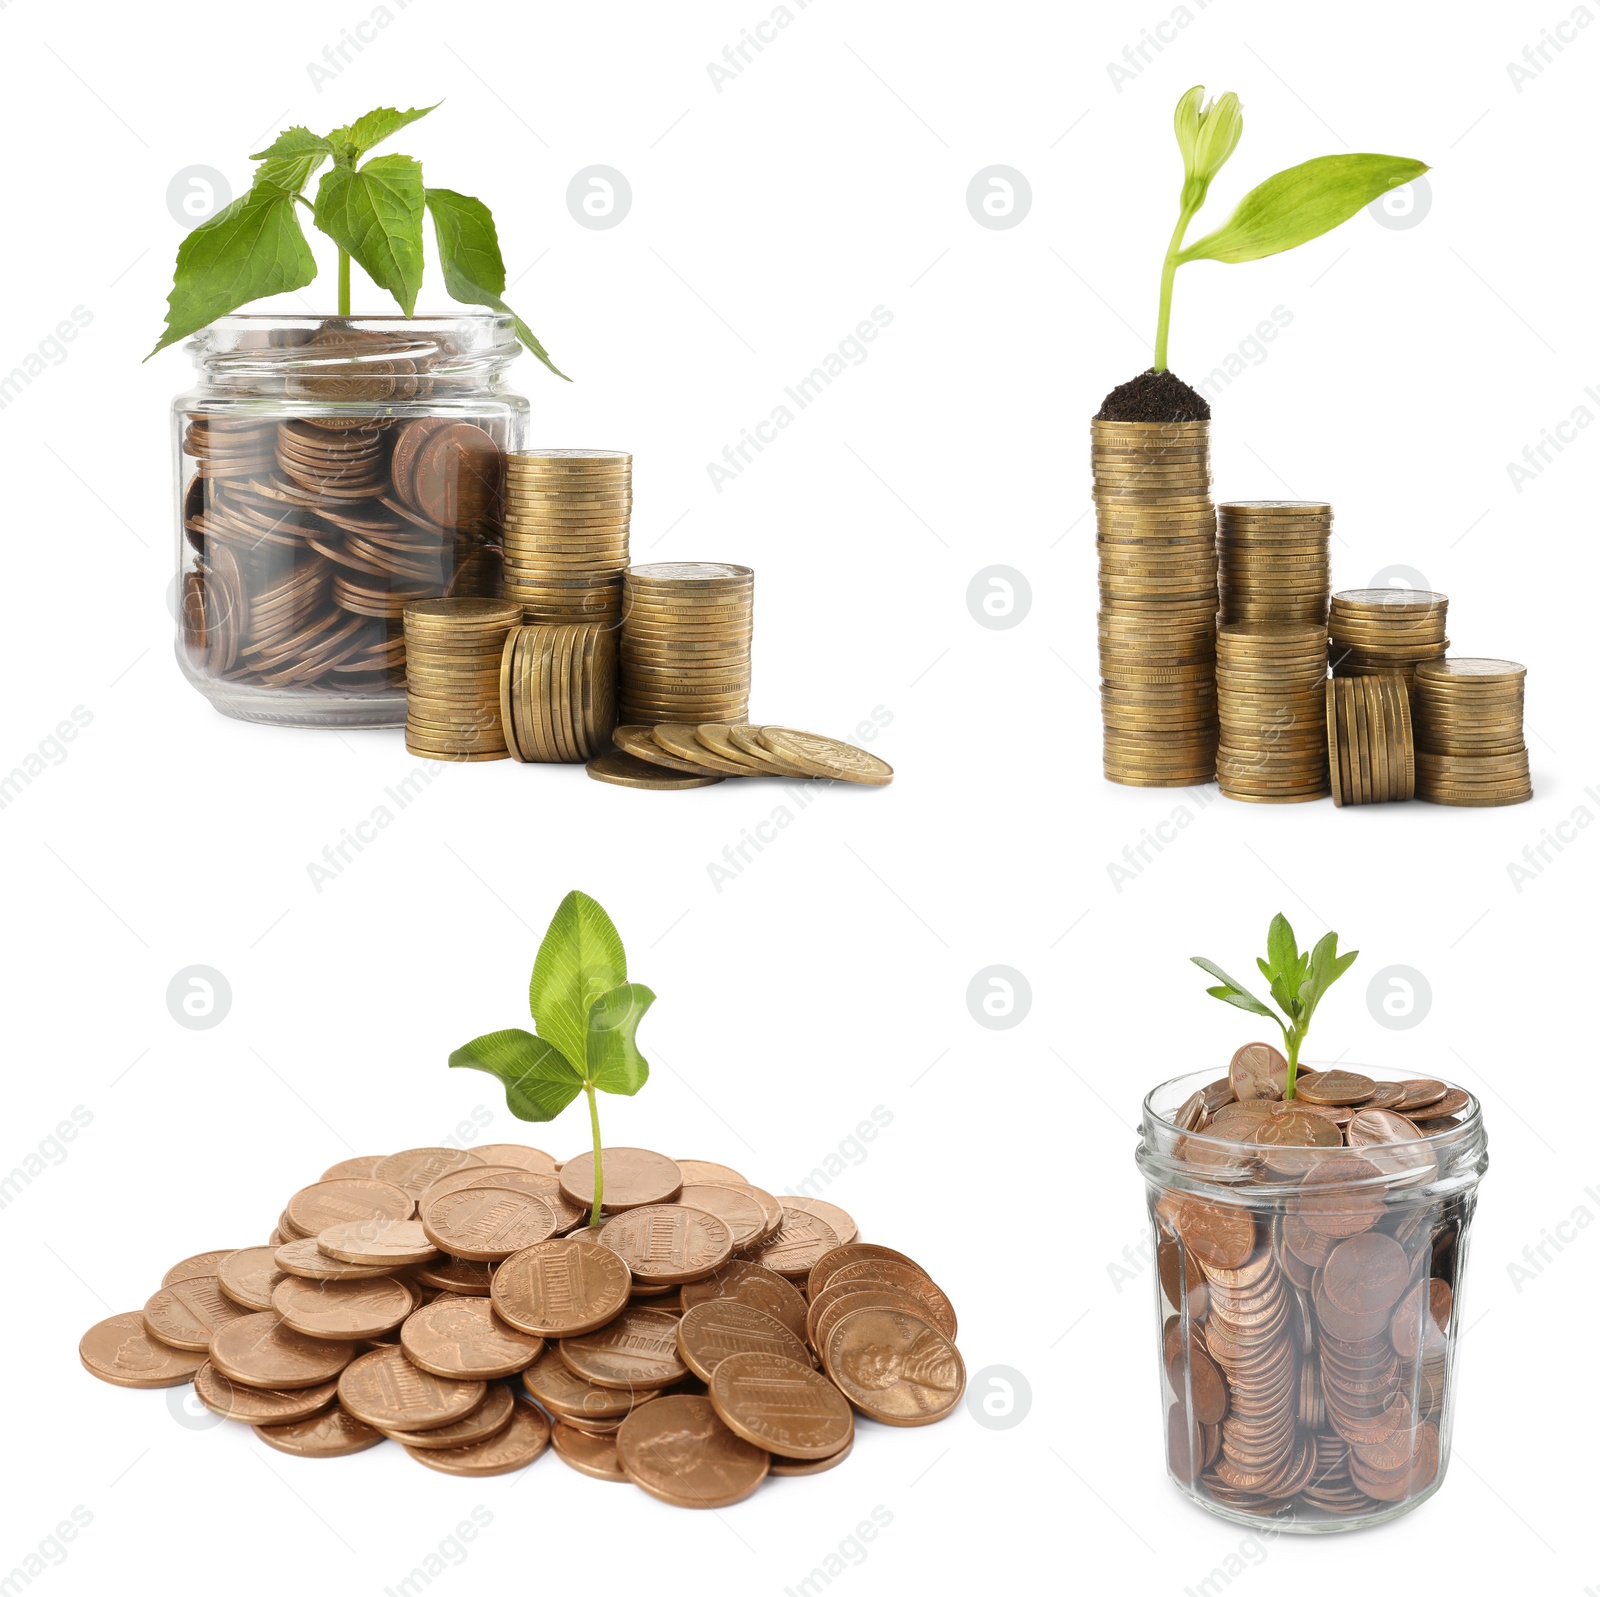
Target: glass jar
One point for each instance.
(1308, 1308)
(330, 470)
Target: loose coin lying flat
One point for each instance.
(384, 1388)
(825, 756)
(632, 1177)
(342, 1311)
(637, 1349)
(705, 1171)
(663, 1244)
(260, 1350)
(628, 770)
(487, 1224)
(249, 1276)
(376, 1244)
(514, 1448)
(196, 1264)
(120, 1351)
(416, 1169)
(518, 1154)
(831, 1215)
(463, 1338)
(796, 1246)
(315, 1208)
(566, 1394)
(895, 1367)
(781, 1405)
(562, 1287)
(362, 1165)
(304, 1257)
(678, 1449)
(739, 1211)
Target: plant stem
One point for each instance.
(344, 282)
(1291, 1040)
(1169, 270)
(594, 1127)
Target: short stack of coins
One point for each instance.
(1470, 744)
(558, 691)
(1371, 754)
(566, 532)
(1273, 747)
(454, 649)
(686, 631)
(1158, 599)
(1385, 629)
(704, 1337)
(1273, 559)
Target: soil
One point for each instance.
(1154, 396)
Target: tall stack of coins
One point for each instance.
(460, 1304)
(455, 648)
(1371, 757)
(558, 691)
(1470, 744)
(566, 532)
(1158, 601)
(1385, 629)
(1273, 559)
(686, 631)
(1274, 744)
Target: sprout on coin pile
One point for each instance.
(586, 1011)
(1297, 982)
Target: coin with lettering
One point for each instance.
(487, 1224)
(666, 1243)
(304, 1258)
(812, 1466)
(720, 1327)
(563, 1287)
(384, 1388)
(260, 1350)
(196, 1264)
(566, 1394)
(910, 1280)
(894, 1367)
(825, 756)
(375, 1244)
(632, 1177)
(255, 1405)
(594, 1456)
(852, 1253)
(471, 1175)
(754, 1285)
(513, 1448)
(637, 1349)
(455, 1275)
(798, 1243)
(518, 1154)
(327, 1203)
(464, 1338)
(120, 1351)
(361, 1165)
(737, 1210)
(488, 1419)
(836, 1219)
(249, 1276)
(781, 1405)
(679, 1450)
(342, 1311)
(334, 1433)
(416, 1169)
(189, 1313)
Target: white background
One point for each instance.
(830, 976)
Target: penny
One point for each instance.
(852, 1253)
(568, 1215)
(562, 1287)
(342, 1311)
(462, 1337)
(377, 1243)
(260, 1350)
(249, 1276)
(816, 1466)
(304, 1257)
(362, 1165)
(256, 1405)
(196, 1264)
(633, 1177)
(712, 1331)
(1258, 1070)
(637, 1349)
(705, 1172)
(831, 1215)
(755, 1286)
(513, 1448)
(488, 1419)
(384, 1388)
(327, 1203)
(120, 1351)
(679, 1450)
(594, 1456)
(909, 1280)
(781, 1405)
(416, 1169)
(1409, 1329)
(739, 1211)
(487, 1224)
(552, 1383)
(1366, 1274)
(894, 1367)
(189, 1313)
(518, 1154)
(1216, 1234)
(1338, 1086)
(769, 1206)
(332, 1434)
(795, 1247)
(472, 1175)
(667, 1243)
(455, 1275)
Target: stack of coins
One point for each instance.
(460, 1304)
(677, 756)
(558, 691)
(686, 630)
(1158, 601)
(1470, 745)
(1371, 630)
(566, 532)
(1371, 759)
(454, 652)
(1273, 559)
(1274, 746)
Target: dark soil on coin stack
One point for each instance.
(1154, 396)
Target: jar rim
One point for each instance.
(470, 338)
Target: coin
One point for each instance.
(256, 1405)
(121, 1351)
(1258, 1070)
(462, 1337)
(637, 1349)
(754, 1286)
(260, 1350)
(627, 770)
(248, 1277)
(384, 1388)
(488, 1419)
(797, 1244)
(710, 1331)
(416, 1169)
(513, 1448)
(594, 1456)
(909, 1280)
(196, 1264)
(377, 1244)
(667, 1243)
(705, 1172)
(632, 1177)
(188, 1313)
(342, 1311)
(825, 756)
(487, 1223)
(551, 1382)
(739, 1211)
(329, 1203)
(781, 1405)
(563, 1287)
(894, 1367)
(679, 1450)
(823, 1271)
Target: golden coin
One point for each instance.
(825, 756)
(739, 1211)
(637, 1349)
(260, 1350)
(594, 1456)
(514, 1448)
(488, 1419)
(563, 1287)
(835, 1218)
(706, 1172)
(384, 1388)
(796, 1246)
(332, 1434)
(740, 1281)
(783, 1406)
(667, 1243)
(681, 742)
(196, 1264)
(640, 742)
(377, 1243)
(709, 1332)
(487, 1223)
(189, 1313)
(342, 1311)
(361, 1165)
(894, 1367)
(315, 1208)
(120, 1351)
(417, 1169)
(462, 1337)
(679, 1450)
(249, 1276)
(255, 1405)
(627, 770)
(720, 740)
(518, 1154)
(632, 1177)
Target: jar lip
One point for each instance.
(243, 341)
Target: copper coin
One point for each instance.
(249, 1276)
(487, 1223)
(632, 1176)
(831, 1215)
(488, 1419)
(1258, 1070)
(895, 1367)
(456, 476)
(1453, 1102)
(361, 1165)
(1408, 1330)
(769, 1205)
(1372, 1126)
(1366, 1274)
(704, 1171)
(196, 1264)
(416, 1169)
(384, 1388)
(463, 1338)
(781, 1405)
(514, 1448)
(375, 1244)
(455, 1275)
(342, 1311)
(713, 1331)
(1418, 1093)
(258, 1405)
(1169, 1264)
(1337, 1086)
(637, 1349)
(679, 1450)
(565, 1393)
(1338, 1196)
(594, 1456)
(120, 1351)
(518, 1154)
(455, 1180)
(304, 1258)
(260, 1350)
(327, 1203)
(909, 1280)
(848, 1296)
(737, 1210)
(667, 1243)
(755, 1286)
(189, 1313)
(796, 1246)
(548, 1187)
(331, 1434)
(1217, 1234)
(563, 1287)
(851, 1253)
(815, 1466)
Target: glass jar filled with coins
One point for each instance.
(1310, 1254)
(331, 471)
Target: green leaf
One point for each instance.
(295, 141)
(249, 249)
(539, 1081)
(1282, 951)
(368, 131)
(376, 214)
(474, 270)
(580, 958)
(1302, 203)
(615, 1064)
(288, 174)
(1230, 992)
(1342, 964)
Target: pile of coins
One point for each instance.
(455, 648)
(705, 1335)
(1157, 543)
(311, 534)
(686, 631)
(674, 756)
(1273, 559)
(1273, 747)
(558, 691)
(566, 533)
(1470, 744)
(1307, 1337)
(1385, 630)
(1370, 753)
